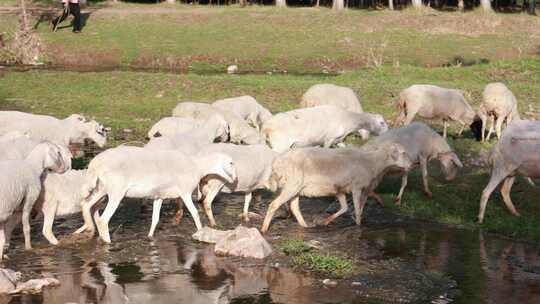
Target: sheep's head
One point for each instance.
(450, 164)
(398, 157)
(96, 132)
(378, 124)
(56, 158)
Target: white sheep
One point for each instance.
(422, 144)
(515, 153)
(193, 140)
(321, 125)
(253, 165)
(245, 107)
(73, 129)
(20, 186)
(170, 126)
(15, 147)
(498, 102)
(58, 198)
(239, 130)
(433, 102)
(316, 172)
(141, 173)
(331, 94)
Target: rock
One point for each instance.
(244, 242)
(329, 283)
(209, 235)
(35, 285)
(232, 69)
(8, 280)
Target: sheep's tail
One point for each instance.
(90, 184)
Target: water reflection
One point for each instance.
(487, 269)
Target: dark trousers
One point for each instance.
(75, 10)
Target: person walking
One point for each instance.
(70, 7)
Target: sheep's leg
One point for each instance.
(86, 206)
(505, 191)
(483, 118)
(102, 222)
(48, 220)
(9, 225)
(404, 180)
(462, 128)
(295, 208)
(498, 127)
(27, 209)
(209, 199)
(156, 208)
(358, 205)
(445, 126)
(377, 198)
(180, 212)
(491, 127)
(247, 201)
(342, 198)
(2, 241)
(423, 166)
(192, 210)
(285, 196)
(496, 177)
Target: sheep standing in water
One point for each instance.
(142, 173)
(21, 186)
(317, 172)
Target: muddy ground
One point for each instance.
(396, 261)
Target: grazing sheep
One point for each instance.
(316, 172)
(321, 125)
(141, 173)
(20, 186)
(73, 129)
(499, 103)
(253, 167)
(422, 144)
(170, 126)
(239, 130)
(245, 107)
(433, 102)
(516, 152)
(330, 94)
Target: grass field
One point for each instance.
(307, 43)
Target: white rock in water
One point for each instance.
(35, 285)
(244, 242)
(8, 280)
(209, 235)
(232, 69)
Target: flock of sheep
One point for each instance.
(258, 150)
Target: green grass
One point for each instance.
(312, 259)
(296, 40)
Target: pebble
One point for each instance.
(232, 69)
(127, 131)
(329, 283)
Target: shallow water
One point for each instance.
(174, 269)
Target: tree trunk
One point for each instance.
(461, 5)
(171, 1)
(338, 5)
(532, 7)
(486, 5)
(318, 2)
(281, 3)
(417, 4)
(25, 24)
(391, 4)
